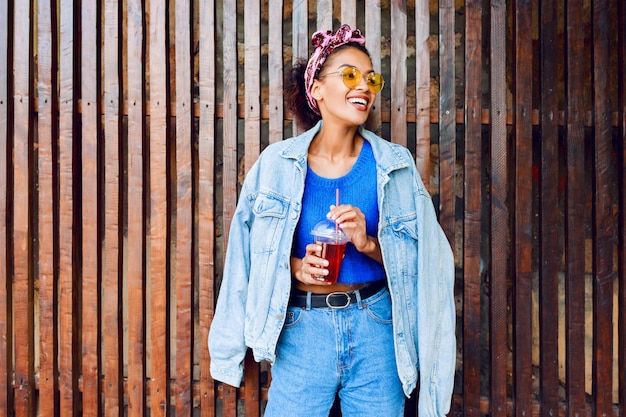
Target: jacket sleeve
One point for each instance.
(437, 371)
(436, 333)
(227, 347)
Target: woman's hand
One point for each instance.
(352, 221)
(308, 269)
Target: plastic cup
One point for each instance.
(333, 241)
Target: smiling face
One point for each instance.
(335, 99)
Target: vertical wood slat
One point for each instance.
(158, 233)
(229, 401)
(22, 288)
(206, 197)
(621, 25)
(324, 14)
(602, 227)
(275, 71)
(472, 219)
(372, 33)
(252, 127)
(422, 93)
(398, 72)
(252, 82)
(184, 211)
(549, 253)
(574, 212)
(5, 337)
(45, 256)
(348, 12)
(523, 222)
(500, 250)
(111, 291)
(252, 403)
(229, 150)
(299, 40)
(447, 119)
(45, 234)
(67, 382)
(135, 234)
(252, 149)
(90, 249)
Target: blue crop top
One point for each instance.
(357, 187)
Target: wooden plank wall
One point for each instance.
(5, 296)
(127, 126)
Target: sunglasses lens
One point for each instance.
(375, 82)
(351, 77)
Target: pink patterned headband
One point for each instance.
(325, 43)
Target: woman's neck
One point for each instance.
(332, 153)
(336, 142)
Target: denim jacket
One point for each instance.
(417, 256)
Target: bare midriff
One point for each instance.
(326, 289)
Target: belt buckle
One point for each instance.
(348, 299)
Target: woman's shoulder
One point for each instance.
(295, 147)
(278, 150)
(385, 148)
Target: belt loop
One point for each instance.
(308, 300)
(359, 303)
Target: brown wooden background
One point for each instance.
(126, 127)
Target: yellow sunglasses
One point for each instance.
(351, 77)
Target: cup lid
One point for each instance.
(328, 229)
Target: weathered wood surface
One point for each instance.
(112, 363)
(134, 24)
(603, 219)
(447, 119)
(5, 327)
(500, 233)
(473, 190)
(252, 82)
(183, 189)
(575, 211)
(67, 109)
(48, 385)
(523, 222)
(422, 89)
(126, 129)
(90, 212)
(275, 70)
(206, 198)
(21, 312)
(549, 247)
(158, 352)
(621, 181)
(398, 76)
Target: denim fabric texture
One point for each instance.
(322, 351)
(252, 304)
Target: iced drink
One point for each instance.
(333, 242)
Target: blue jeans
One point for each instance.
(349, 351)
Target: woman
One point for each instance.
(390, 315)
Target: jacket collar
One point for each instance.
(388, 156)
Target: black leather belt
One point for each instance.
(336, 299)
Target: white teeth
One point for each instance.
(357, 100)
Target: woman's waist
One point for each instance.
(334, 296)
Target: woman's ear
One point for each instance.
(316, 90)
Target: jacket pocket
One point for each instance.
(405, 244)
(270, 211)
